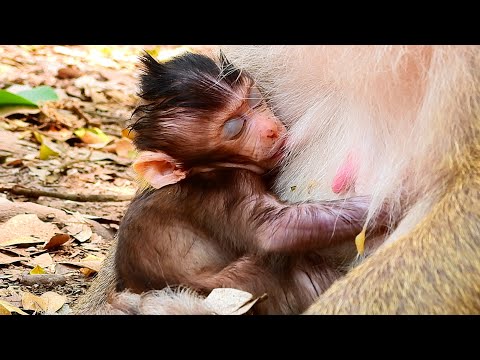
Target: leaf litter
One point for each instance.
(69, 136)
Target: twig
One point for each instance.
(21, 190)
(43, 279)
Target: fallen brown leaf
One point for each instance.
(15, 163)
(48, 302)
(62, 269)
(95, 239)
(26, 229)
(91, 261)
(18, 109)
(87, 272)
(59, 135)
(43, 260)
(227, 301)
(33, 302)
(69, 72)
(54, 301)
(93, 136)
(14, 124)
(7, 259)
(81, 232)
(11, 144)
(128, 133)
(56, 240)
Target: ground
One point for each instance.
(76, 150)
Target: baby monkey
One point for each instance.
(207, 139)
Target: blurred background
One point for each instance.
(63, 146)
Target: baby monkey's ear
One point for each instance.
(158, 169)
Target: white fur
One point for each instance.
(395, 106)
(161, 302)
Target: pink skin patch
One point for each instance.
(346, 175)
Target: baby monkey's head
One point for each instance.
(203, 113)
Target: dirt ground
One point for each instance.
(65, 177)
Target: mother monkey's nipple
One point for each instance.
(343, 182)
(346, 175)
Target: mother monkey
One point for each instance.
(398, 123)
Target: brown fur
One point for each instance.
(222, 229)
(219, 227)
(419, 151)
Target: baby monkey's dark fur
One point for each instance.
(220, 226)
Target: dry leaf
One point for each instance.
(48, 149)
(91, 261)
(54, 301)
(15, 163)
(87, 272)
(64, 310)
(56, 241)
(81, 232)
(26, 229)
(96, 239)
(73, 228)
(69, 72)
(38, 137)
(227, 301)
(246, 307)
(61, 269)
(128, 133)
(15, 124)
(6, 309)
(43, 260)
(62, 134)
(37, 270)
(18, 109)
(92, 136)
(49, 302)
(91, 246)
(11, 144)
(33, 302)
(7, 259)
(124, 148)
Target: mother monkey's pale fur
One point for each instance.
(410, 117)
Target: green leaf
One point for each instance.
(39, 94)
(25, 102)
(10, 99)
